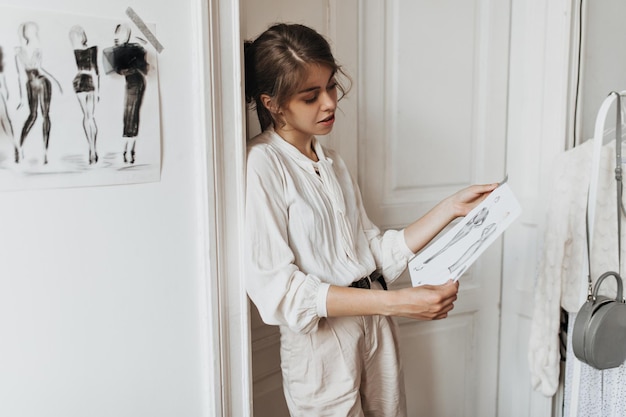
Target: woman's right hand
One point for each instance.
(427, 302)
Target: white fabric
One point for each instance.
(349, 367)
(301, 237)
(601, 394)
(560, 270)
(304, 232)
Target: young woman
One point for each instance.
(316, 265)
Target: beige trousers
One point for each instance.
(350, 367)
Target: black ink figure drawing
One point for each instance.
(128, 59)
(5, 120)
(474, 223)
(86, 85)
(469, 252)
(36, 79)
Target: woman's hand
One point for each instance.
(463, 201)
(428, 302)
(420, 232)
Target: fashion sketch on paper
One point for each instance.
(471, 224)
(470, 251)
(5, 120)
(129, 60)
(86, 85)
(36, 82)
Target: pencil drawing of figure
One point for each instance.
(28, 59)
(472, 224)
(475, 222)
(86, 85)
(5, 120)
(486, 233)
(128, 59)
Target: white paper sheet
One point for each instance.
(454, 252)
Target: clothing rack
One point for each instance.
(599, 134)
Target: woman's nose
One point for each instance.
(329, 100)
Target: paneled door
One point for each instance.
(432, 119)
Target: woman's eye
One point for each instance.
(310, 100)
(332, 86)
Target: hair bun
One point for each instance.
(249, 65)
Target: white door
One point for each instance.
(431, 100)
(432, 112)
(430, 84)
(540, 80)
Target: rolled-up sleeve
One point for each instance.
(283, 294)
(389, 248)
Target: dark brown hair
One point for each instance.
(276, 64)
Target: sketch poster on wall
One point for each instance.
(79, 101)
(451, 255)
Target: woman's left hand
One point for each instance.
(463, 201)
(421, 231)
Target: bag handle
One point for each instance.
(620, 285)
(618, 179)
(598, 140)
(589, 218)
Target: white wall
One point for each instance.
(603, 59)
(102, 309)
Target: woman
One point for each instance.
(315, 264)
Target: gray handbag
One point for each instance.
(599, 334)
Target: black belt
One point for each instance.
(365, 282)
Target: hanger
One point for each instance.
(598, 141)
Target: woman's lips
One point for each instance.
(328, 121)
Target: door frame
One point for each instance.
(222, 167)
(546, 48)
(222, 149)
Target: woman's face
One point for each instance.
(311, 111)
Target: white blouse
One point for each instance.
(306, 229)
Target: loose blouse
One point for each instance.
(306, 229)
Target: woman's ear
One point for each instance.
(268, 103)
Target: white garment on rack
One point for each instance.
(560, 270)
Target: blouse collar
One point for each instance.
(295, 154)
(324, 169)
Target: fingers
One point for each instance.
(447, 291)
(448, 297)
(480, 189)
(470, 197)
(444, 312)
(486, 188)
(433, 301)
